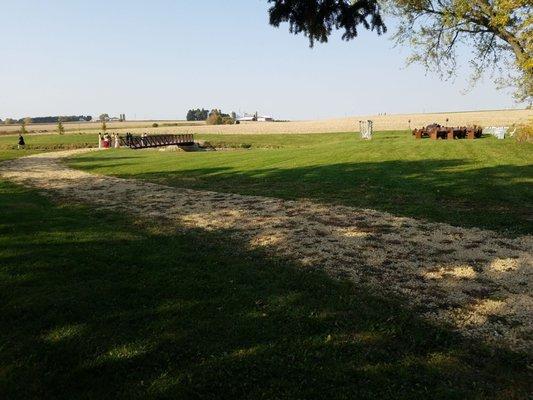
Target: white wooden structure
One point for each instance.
(497, 131)
(366, 129)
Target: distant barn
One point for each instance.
(255, 117)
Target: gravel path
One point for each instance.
(476, 280)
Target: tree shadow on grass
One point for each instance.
(93, 306)
(450, 191)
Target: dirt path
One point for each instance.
(476, 280)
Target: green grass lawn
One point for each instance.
(95, 306)
(80, 140)
(482, 183)
(50, 142)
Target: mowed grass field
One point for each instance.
(95, 305)
(50, 142)
(483, 183)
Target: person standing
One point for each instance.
(21, 143)
(99, 140)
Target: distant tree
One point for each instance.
(8, 121)
(104, 125)
(55, 119)
(197, 115)
(202, 114)
(214, 118)
(227, 120)
(217, 117)
(499, 33)
(88, 118)
(23, 130)
(60, 127)
(234, 115)
(104, 117)
(316, 19)
(27, 120)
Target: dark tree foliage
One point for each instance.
(499, 32)
(197, 115)
(55, 119)
(317, 18)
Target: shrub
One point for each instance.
(155, 125)
(524, 133)
(214, 118)
(60, 127)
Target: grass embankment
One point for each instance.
(50, 142)
(482, 183)
(93, 305)
(83, 140)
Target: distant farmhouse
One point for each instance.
(254, 117)
(120, 118)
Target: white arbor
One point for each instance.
(365, 127)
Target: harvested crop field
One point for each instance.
(351, 124)
(476, 280)
(93, 126)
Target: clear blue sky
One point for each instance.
(157, 59)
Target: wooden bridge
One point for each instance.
(144, 142)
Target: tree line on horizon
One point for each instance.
(47, 120)
(213, 117)
(197, 114)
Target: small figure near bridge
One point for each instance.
(21, 142)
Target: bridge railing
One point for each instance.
(143, 142)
